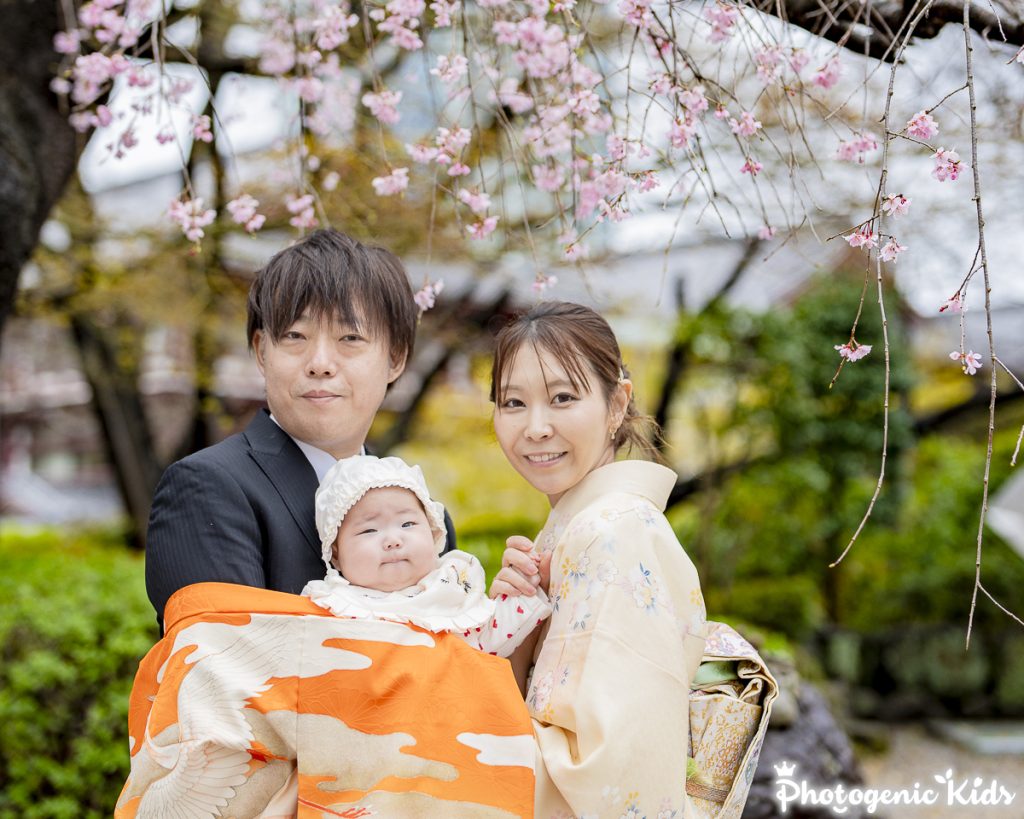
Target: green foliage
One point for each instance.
(763, 538)
(74, 623)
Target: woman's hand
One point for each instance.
(522, 569)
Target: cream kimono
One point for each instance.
(609, 690)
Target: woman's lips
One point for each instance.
(544, 459)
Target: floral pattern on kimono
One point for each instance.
(609, 689)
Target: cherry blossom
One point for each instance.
(890, 250)
(922, 126)
(395, 182)
(243, 212)
(895, 204)
(864, 237)
(852, 351)
(478, 202)
(828, 74)
(542, 282)
(427, 295)
(970, 362)
(201, 128)
(66, 42)
(798, 60)
(722, 17)
(192, 216)
(947, 165)
(766, 232)
(751, 166)
(769, 63)
(636, 12)
(302, 209)
(857, 148)
(331, 28)
(482, 229)
(330, 181)
(955, 304)
(746, 125)
(450, 69)
(383, 105)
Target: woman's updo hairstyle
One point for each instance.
(575, 336)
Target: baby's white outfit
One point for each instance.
(451, 598)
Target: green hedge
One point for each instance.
(74, 623)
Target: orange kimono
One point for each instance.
(262, 704)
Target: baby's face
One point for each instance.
(385, 541)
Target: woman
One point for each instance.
(612, 668)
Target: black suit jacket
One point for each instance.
(240, 511)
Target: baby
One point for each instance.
(381, 536)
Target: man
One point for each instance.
(332, 323)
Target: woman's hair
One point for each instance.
(582, 343)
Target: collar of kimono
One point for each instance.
(648, 480)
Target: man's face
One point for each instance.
(325, 381)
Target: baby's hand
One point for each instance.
(522, 569)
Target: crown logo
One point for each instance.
(785, 769)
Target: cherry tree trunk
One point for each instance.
(38, 149)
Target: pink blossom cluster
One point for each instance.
(444, 11)
(201, 128)
(746, 125)
(895, 205)
(483, 228)
(970, 362)
(395, 182)
(243, 212)
(890, 250)
(400, 19)
(426, 296)
(450, 69)
(751, 166)
(384, 105)
(722, 17)
(852, 351)
(191, 216)
(542, 282)
(828, 75)
(332, 25)
(637, 12)
(955, 304)
(922, 126)
(477, 202)
(857, 148)
(92, 74)
(769, 63)
(301, 208)
(947, 165)
(863, 237)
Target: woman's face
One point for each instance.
(552, 433)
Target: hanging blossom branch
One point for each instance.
(548, 74)
(892, 205)
(976, 175)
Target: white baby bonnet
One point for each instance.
(351, 478)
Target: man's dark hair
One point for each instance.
(330, 274)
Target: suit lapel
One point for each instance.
(288, 470)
